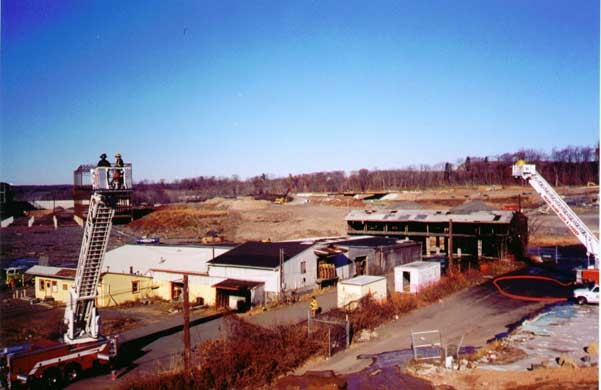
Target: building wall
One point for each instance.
(49, 287)
(294, 277)
(271, 277)
(475, 238)
(381, 260)
(199, 286)
(116, 289)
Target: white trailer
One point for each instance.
(352, 290)
(412, 277)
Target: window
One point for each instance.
(64, 286)
(303, 267)
(41, 284)
(135, 286)
(54, 286)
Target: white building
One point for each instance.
(281, 266)
(166, 266)
(412, 277)
(352, 290)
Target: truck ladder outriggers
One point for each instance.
(560, 207)
(81, 318)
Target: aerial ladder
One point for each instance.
(560, 207)
(81, 318)
(53, 364)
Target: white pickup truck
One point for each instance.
(587, 294)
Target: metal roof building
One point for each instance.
(475, 231)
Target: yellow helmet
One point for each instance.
(118, 155)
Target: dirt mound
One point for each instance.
(239, 220)
(189, 221)
(470, 207)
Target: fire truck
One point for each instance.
(566, 214)
(54, 364)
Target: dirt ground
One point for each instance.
(545, 379)
(242, 219)
(21, 321)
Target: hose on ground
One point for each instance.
(527, 298)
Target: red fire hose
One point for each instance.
(527, 298)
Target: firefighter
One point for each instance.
(118, 161)
(118, 173)
(103, 161)
(314, 307)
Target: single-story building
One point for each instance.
(280, 266)
(413, 277)
(52, 282)
(362, 255)
(137, 272)
(158, 271)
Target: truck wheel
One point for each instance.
(52, 378)
(581, 300)
(72, 372)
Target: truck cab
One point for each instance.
(588, 294)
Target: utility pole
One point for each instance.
(187, 371)
(451, 245)
(281, 270)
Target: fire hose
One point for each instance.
(525, 297)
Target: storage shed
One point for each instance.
(412, 277)
(354, 289)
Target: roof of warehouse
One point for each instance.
(261, 254)
(374, 242)
(55, 272)
(142, 259)
(482, 216)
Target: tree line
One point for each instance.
(572, 165)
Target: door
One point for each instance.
(406, 281)
(360, 265)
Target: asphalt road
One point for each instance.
(479, 314)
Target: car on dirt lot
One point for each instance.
(588, 294)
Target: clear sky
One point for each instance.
(191, 88)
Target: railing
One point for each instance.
(111, 178)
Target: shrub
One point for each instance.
(248, 356)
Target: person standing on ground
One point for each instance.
(314, 306)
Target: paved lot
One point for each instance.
(479, 314)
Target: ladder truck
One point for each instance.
(565, 213)
(54, 364)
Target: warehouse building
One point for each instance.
(364, 255)
(478, 233)
(277, 266)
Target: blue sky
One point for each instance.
(191, 88)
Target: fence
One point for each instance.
(427, 345)
(338, 331)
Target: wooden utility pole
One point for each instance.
(281, 270)
(187, 370)
(451, 245)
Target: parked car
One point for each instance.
(588, 294)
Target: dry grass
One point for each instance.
(248, 356)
